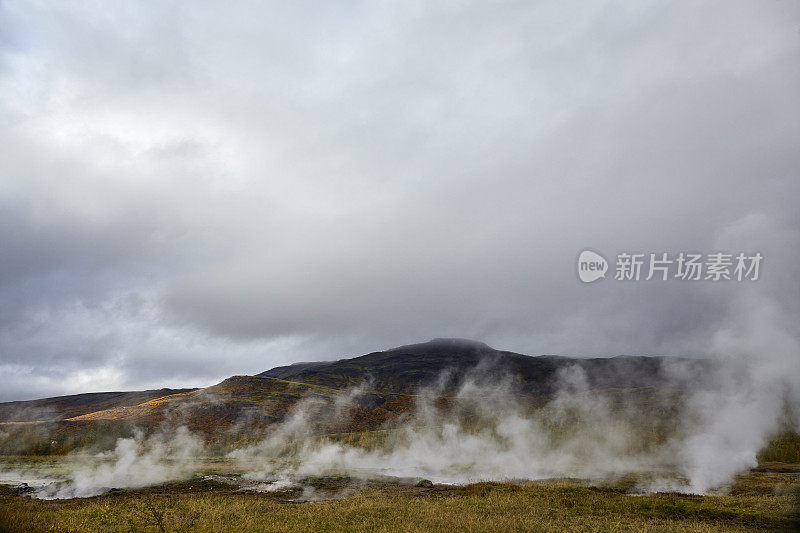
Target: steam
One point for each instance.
(484, 433)
(134, 462)
(755, 391)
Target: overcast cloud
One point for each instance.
(190, 191)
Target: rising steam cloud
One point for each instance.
(135, 462)
(754, 392)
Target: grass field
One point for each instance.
(758, 501)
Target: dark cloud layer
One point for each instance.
(190, 192)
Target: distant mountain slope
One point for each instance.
(405, 368)
(398, 370)
(240, 409)
(248, 402)
(61, 407)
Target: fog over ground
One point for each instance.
(192, 191)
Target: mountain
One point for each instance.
(241, 408)
(61, 407)
(405, 368)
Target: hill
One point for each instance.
(239, 409)
(406, 368)
(61, 407)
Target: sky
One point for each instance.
(190, 191)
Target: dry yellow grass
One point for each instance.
(757, 502)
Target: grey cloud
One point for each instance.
(256, 185)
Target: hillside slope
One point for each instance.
(61, 407)
(406, 368)
(241, 408)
